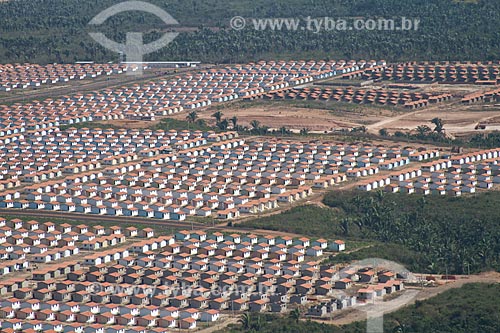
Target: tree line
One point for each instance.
(60, 34)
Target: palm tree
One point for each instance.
(304, 131)
(264, 129)
(423, 130)
(439, 125)
(383, 132)
(218, 116)
(192, 116)
(234, 121)
(245, 320)
(257, 325)
(223, 125)
(380, 195)
(295, 315)
(255, 124)
(344, 224)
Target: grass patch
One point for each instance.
(306, 220)
(412, 260)
(169, 123)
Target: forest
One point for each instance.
(57, 30)
(457, 235)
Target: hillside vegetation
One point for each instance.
(57, 30)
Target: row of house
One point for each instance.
(227, 178)
(34, 159)
(372, 285)
(167, 96)
(222, 178)
(464, 73)
(25, 243)
(15, 76)
(482, 96)
(168, 281)
(361, 96)
(455, 175)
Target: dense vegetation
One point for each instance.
(56, 30)
(472, 308)
(433, 234)
(414, 261)
(490, 140)
(424, 133)
(456, 234)
(308, 220)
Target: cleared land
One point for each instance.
(326, 116)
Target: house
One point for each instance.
(386, 276)
(260, 305)
(366, 276)
(366, 294)
(239, 304)
(278, 307)
(344, 283)
(167, 322)
(187, 323)
(318, 311)
(218, 304)
(322, 243)
(298, 299)
(337, 246)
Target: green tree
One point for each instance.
(283, 130)
(245, 320)
(423, 130)
(218, 116)
(223, 124)
(192, 116)
(295, 315)
(400, 327)
(439, 125)
(255, 125)
(234, 121)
